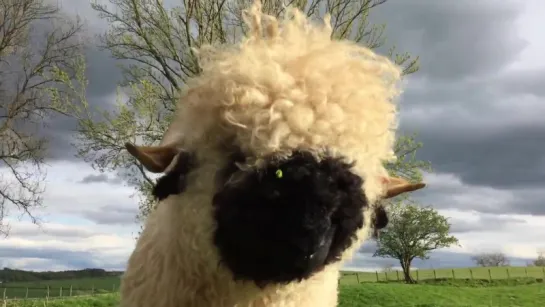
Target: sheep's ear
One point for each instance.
(396, 186)
(154, 158)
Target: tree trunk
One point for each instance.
(406, 266)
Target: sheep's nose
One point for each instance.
(288, 220)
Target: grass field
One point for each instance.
(57, 288)
(104, 300)
(378, 295)
(393, 294)
(513, 286)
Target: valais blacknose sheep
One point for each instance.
(273, 165)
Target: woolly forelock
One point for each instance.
(287, 85)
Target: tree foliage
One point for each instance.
(413, 232)
(154, 45)
(40, 51)
(491, 259)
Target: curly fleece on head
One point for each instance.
(289, 86)
(286, 87)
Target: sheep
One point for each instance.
(273, 166)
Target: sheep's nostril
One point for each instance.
(318, 253)
(274, 194)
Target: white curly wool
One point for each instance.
(286, 86)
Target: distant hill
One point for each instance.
(11, 275)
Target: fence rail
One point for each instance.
(8, 292)
(51, 298)
(496, 273)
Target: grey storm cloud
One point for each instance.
(112, 215)
(59, 233)
(508, 159)
(77, 259)
(60, 131)
(455, 39)
(525, 82)
(103, 75)
(483, 199)
(100, 178)
(529, 201)
(465, 109)
(101, 71)
(485, 222)
(95, 178)
(64, 257)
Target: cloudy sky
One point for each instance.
(477, 104)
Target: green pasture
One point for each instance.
(56, 288)
(498, 286)
(403, 295)
(107, 300)
(374, 295)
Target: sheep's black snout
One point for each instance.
(288, 220)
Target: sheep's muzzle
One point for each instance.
(288, 220)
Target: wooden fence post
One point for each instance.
(47, 295)
(358, 277)
(60, 292)
(376, 273)
(489, 274)
(70, 290)
(4, 295)
(526, 272)
(385, 276)
(508, 275)
(26, 293)
(453, 274)
(471, 273)
(93, 290)
(417, 278)
(397, 273)
(434, 274)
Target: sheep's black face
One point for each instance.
(289, 220)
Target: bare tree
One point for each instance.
(540, 260)
(40, 54)
(388, 267)
(491, 259)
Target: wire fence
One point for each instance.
(481, 273)
(46, 292)
(16, 292)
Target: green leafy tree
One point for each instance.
(154, 45)
(40, 52)
(413, 232)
